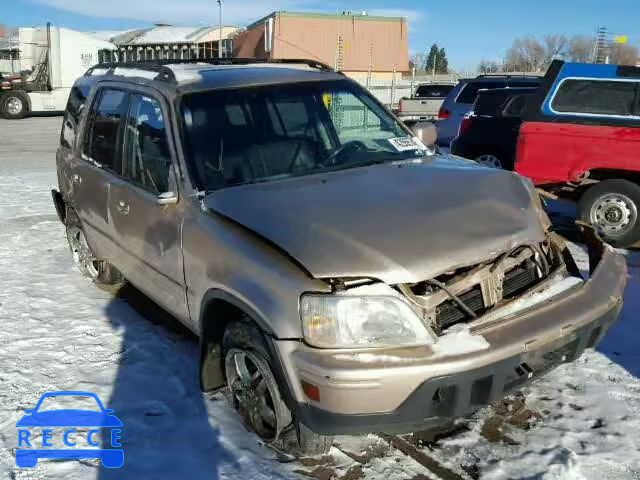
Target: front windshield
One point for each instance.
(263, 133)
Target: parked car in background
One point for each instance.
(488, 134)
(343, 277)
(424, 104)
(581, 138)
(461, 98)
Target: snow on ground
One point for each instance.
(60, 332)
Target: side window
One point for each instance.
(147, 159)
(515, 106)
(77, 99)
(596, 97)
(104, 132)
(469, 93)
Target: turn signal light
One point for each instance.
(310, 391)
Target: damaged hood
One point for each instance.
(399, 223)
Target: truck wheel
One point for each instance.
(14, 104)
(256, 394)
(612, 206)
(99, 271)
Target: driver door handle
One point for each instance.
(123, 207)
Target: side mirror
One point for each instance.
(167, 198)
(29, 411)
(426, 132)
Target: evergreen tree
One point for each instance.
(432, 59)
(442, 64)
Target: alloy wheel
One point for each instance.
(82, 255)
(255, 393)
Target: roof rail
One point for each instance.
(508, 75)
(166, 74)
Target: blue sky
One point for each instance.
(470, 30)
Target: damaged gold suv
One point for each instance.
(342, 275)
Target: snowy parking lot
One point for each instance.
(60, 332)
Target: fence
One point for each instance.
(390, 91)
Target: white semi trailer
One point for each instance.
(46, 62)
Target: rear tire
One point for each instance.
(14, 104)
(97, 270)
(613, 207)
(243, 342)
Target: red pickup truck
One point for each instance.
(580, 138)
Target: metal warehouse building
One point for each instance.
(167, 42)
(354, 43)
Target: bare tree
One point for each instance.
(580, 49)
(620, 54)
(526, 54)
(419, 61)
(489, 66)
(555, 46)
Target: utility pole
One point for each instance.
(601, 49)
(220, 27)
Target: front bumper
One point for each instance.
(409, 389)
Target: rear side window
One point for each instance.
(596, 97)
(469, 93)
(515, 106)
(77, 99)
(489, 105)
(104, 131)
(146, 159)
(433, 91)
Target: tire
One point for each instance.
(14, 104)
(489, 160)
(244, 339)
(97, 270)
(613, 207)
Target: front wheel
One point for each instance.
(256, 394)
(612, 206)
(14, 104)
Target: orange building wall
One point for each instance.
(316, 37)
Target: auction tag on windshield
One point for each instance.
(403, 144)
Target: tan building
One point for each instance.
(349, 41)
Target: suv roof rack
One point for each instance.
(166, 74)
(507, 75)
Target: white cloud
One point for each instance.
(193, 12)
(412, 16)
(180, 12)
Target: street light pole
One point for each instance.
(220, 27)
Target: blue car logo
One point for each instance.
(68, 418)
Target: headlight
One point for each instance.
(345, 321)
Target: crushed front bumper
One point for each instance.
(409, 389)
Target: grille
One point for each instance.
(519, 279)
(516, 281)
(449, 313)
